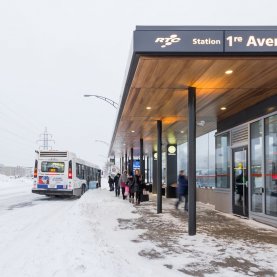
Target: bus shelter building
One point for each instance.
(184, 82)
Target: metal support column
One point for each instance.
(142, 170)
(132, 161)
(147, 171)
(126, 162)
(192, 160)
(159, 166)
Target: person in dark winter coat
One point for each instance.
(137, 186)
(182, 190)
(116, 184)
(130, 184)
(110, 181)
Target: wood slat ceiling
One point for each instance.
(161, 83)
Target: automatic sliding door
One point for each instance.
(240, 181)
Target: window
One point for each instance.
(79, 171)
(205, 160)
(222, 161)
(271, 165)
(57, 167)
(256, 160)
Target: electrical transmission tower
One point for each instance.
(46, 140)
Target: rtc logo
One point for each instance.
(167, 41)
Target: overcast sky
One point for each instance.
(52, 52)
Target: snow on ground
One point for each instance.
(69, 237)
(15, 191)
(101, 235)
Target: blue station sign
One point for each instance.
(251, 41)
(196, 41)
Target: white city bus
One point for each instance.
(62, 173)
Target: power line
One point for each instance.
(15, 135)
(46, 140)
(21, 116)
(22, 125)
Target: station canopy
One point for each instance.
(232, 69)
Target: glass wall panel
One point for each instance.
(271, 165)
(182, 155)
(205, 159)
(163, 168)
(211, 154)
(202, 161)
(222, 161)
(256, 160)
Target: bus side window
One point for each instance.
(94, 175)
(78, 170)
(83, 172)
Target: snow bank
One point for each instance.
(73, 237)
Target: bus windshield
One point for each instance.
(57, 167)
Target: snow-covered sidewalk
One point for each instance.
(72, 237)
(102, 235)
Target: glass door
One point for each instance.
(240, 181)
(256, 167)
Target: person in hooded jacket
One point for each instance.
(137, 186)
(122, 182)
(182, 190)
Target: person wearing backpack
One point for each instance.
(182, 190)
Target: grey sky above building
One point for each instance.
(53, 52)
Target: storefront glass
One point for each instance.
(256, 161)
(205, 160)
(271, 165)
(222, 161)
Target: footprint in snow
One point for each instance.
(81, 268)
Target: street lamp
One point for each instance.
(102, 141)
(110, 101)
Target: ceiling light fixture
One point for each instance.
(229, 71)
(182, 132)
(223, 108)
(132, 131)
(148, 108)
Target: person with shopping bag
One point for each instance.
(122, 182)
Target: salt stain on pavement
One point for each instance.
(224, 245)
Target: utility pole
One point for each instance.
(45, 138)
